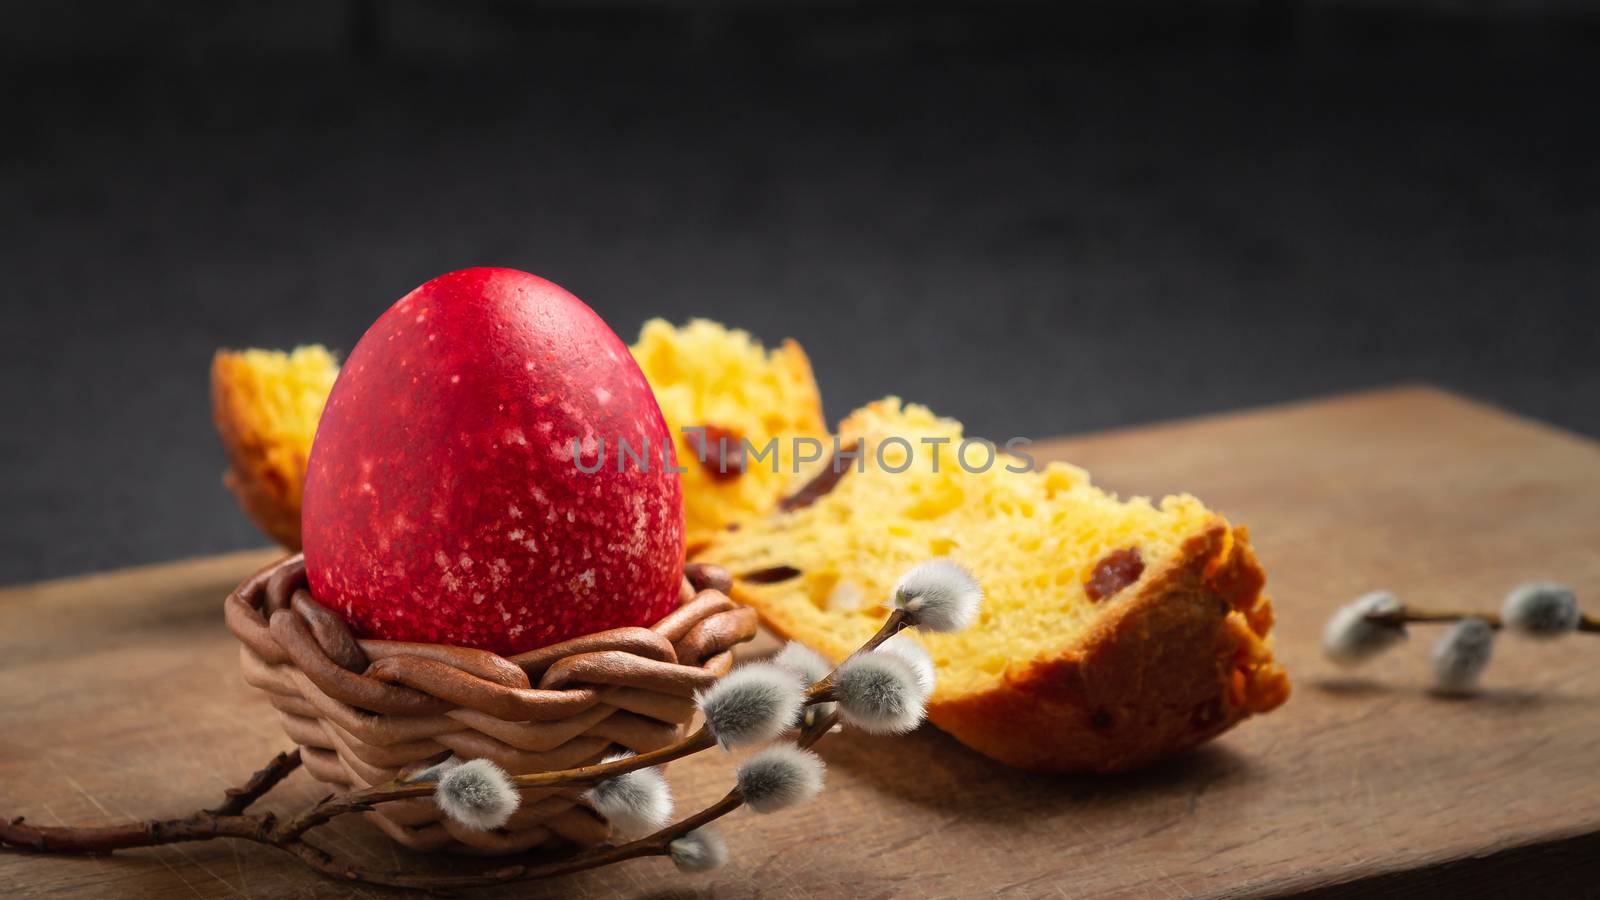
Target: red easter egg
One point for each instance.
(443, 502)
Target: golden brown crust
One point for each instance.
(1168, 667)
(792, 356)
(270, 502)
(1172, 663)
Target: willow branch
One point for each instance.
(1408, 615)
(239, 798)
(202, 826)
(363, 800)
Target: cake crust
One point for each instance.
(1172, 662)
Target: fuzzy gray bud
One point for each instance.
(433, 772)
(780, 776)
(905, 646)
(938, 595)
(878, 693)
(807, 664)
(635, 803)
(1461, 654)
(751, 704)
(701, 850)
(1350, 637)
(1541, 610)
(477, 794)
(810, 667)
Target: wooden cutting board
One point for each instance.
(121, 699)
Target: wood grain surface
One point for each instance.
(121, 699)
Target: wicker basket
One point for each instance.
(364, 711)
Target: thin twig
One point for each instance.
(239, 798)
(202, 826)
(1408, 615)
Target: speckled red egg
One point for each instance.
(443, 503)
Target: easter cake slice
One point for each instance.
(1113, 633)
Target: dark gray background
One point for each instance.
(1035, 220)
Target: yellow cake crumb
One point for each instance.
(266, 404)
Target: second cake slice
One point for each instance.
(1113, 633)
